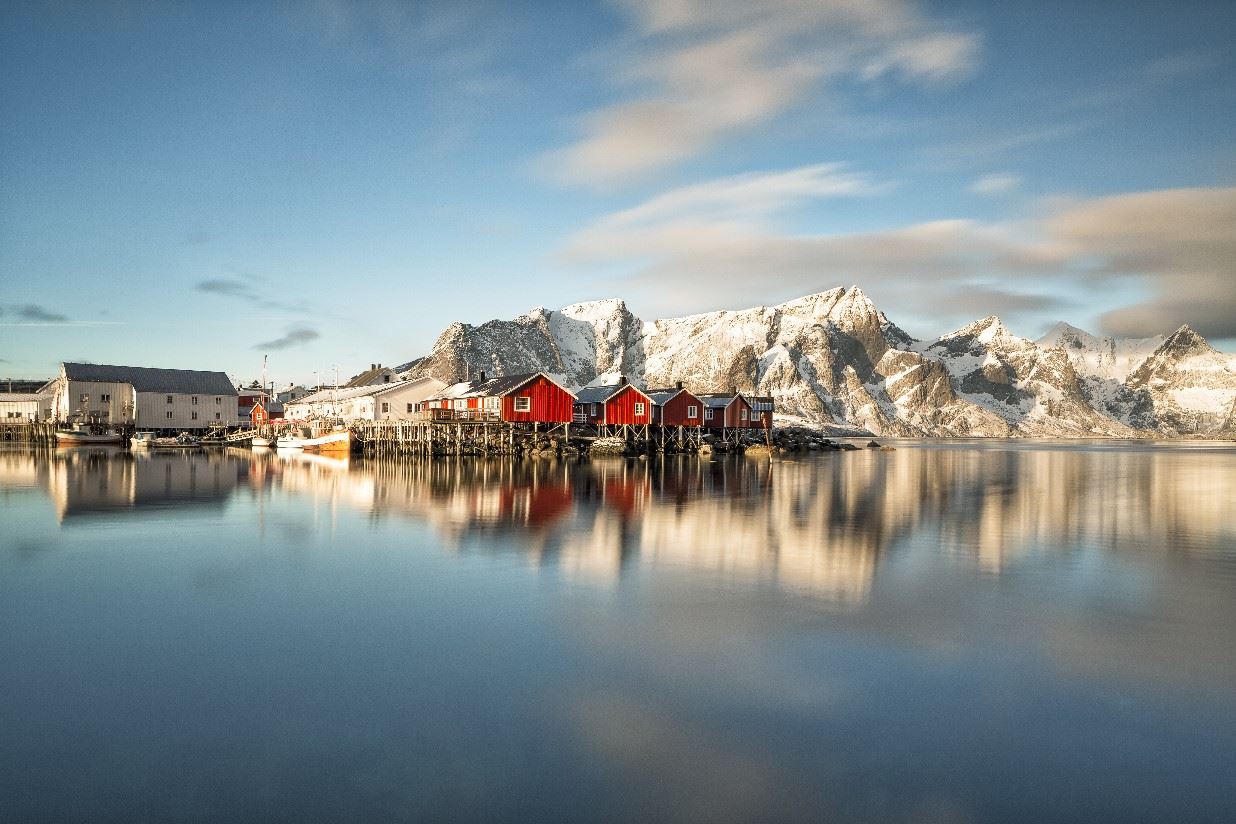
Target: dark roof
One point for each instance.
(718, 400)
(595, 394)
(491, 387)
(144, 379)
(663, 396)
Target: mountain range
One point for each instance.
(833, 359)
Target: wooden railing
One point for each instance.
(459, 415)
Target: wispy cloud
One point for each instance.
(699, 70)
(1178, 244)
(995, 184)
(245, 290)
(32, 313)
(295, 336)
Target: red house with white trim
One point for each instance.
(621, 404)
(676, 407)
(530, 398)
(726, 410)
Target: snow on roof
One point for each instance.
(344, 393)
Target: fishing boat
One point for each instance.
(142, 440)
(259, 442)
(338, 441)
(182, 441)
(84, 437)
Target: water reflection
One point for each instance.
(818, 525)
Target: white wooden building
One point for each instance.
(172, 399)
(25, 406)
(380, 402)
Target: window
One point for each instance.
(216, 416)
(523, 403)
(105, 398)
(743, 415)
(169, 399)
(169, 416)
(639, 408)
(410, 407)
(195, 416)
(83, 399)
(195, 400)
(693, 412)
(594, 410)
(217, 402)
(386, 407)
(708, 414)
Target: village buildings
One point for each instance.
(676, 407)
(620, 404)
(24, 407)
(157, 399)
(375, 402)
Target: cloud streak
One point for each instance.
(32, 313)
(700, 70)
(296, 336)
(1176, 244)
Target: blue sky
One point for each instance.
(332, 183)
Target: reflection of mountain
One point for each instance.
(85, 481)
(819, 526)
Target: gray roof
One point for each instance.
(663, 396)
(491, 387)
(145, 379)
(22, 397)
(718, 400)
(595, 394)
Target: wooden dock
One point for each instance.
(30, 433)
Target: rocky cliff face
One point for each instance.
(834, 358)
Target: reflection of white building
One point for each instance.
(179, 399)
(377, 402)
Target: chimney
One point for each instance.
(622, 380)
(733, 390)
(482, 377)
(680, 384)
(373, 366)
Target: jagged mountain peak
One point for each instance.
(594, 308)
(984, 331)
(1185, 342)
(1068, 336)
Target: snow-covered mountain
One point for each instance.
(834, 358)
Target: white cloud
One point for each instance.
(703, 69)
(995, 184)
(715, 239)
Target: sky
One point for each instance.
(330, 184)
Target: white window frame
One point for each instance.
(639, 407)
(594, 410)
(693, 412)
(523, 403)
(742, 415)
(386, 407)
(169, 414)
(708, 413)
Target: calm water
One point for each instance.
(946, 633)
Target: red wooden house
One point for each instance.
(761, 411)
(676, 407)
(528, 398)
(726, 410)
(620, 404)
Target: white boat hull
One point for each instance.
(87, 439)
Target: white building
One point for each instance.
(381, 402)
(25, 406)
(175, 399)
